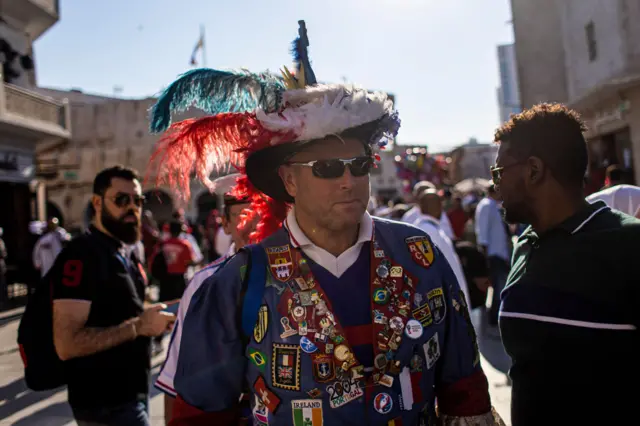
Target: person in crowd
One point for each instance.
(101, 327)
(493, 240)
(414, 212)
(232, 211)
(49, 246)
(569, 316)
(352, 319)
(617, 194)
(457, 217)
(431, 208)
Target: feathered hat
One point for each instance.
(254, 123)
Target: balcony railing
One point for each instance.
(33, 112)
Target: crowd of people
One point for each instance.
(323, 312)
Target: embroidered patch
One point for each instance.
(432, 350)
(280, 262)
(260, 412)
(344, 391)
(257, 358)
(285, 366)
(262, 324)
(423, 314)
(421, 250)
(323, 368)
(307, 412)
(268, 398)
(437, 304)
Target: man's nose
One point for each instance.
(347, 179)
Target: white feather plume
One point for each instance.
(319, 111)
(225, 184)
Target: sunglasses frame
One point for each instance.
(346, 162)
(136, 200)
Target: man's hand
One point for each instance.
(153, 322)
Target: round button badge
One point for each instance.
(383, 403)
(307, 345)
(341, 352)
(382, 271)
(414, 329)
(396, 324)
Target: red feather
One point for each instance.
(206, 144)
(266, 213)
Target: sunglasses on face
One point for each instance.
(122, 199)
(496, 172)
(335, 167)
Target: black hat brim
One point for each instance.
(262, 169)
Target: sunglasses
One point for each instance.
(335, 167)
(122, 199)
(496, 172)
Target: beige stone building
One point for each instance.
(472, 160)
(110, 131)
(586, 53)
(29, 123)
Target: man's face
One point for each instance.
(120, 208)
(230, 225)
(335, 203)
(511, 187)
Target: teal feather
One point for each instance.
(217, 92)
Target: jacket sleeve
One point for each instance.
(211, 367)
(461, 386)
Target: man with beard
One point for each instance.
(101, 327)
(569, 316)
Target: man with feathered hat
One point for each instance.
(332, 316)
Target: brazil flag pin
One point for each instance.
(258, 358)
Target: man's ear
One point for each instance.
(536, 169)
(96, 201)
(287, 174)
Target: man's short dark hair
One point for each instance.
(553, 133)
(102, 181)
(616, 173)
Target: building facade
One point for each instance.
(472, 160)
(110, 131)
(30, 123)
(593, 65)
(508, 92)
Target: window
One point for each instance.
(592, 47)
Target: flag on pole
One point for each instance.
(199, 46)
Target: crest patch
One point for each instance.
(324, 368)
(262, 324)
(285, 366)
(421, 250)
(437, 304)
(280, 262)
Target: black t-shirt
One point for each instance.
(96, 269)
(474, 265)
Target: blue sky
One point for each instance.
(437, 57)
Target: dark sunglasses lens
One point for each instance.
(328, 169)
(122, 200)
(361, 166)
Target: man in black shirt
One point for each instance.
(101, 327)
(569, 317)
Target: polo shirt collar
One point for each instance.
(572, 224)
(299, 239)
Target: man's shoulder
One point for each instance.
(401, 229)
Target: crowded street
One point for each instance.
(337, 213)
(20, 406)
